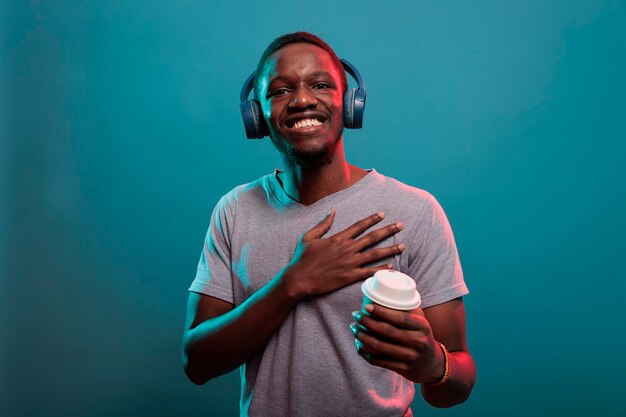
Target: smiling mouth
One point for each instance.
(304, 123)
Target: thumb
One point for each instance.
(321, 228)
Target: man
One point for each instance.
(285, 256)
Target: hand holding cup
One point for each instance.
(391, 330)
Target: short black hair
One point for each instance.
(298, 37)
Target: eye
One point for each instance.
(277, 92)
(321, 86)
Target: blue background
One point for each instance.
(120, 130)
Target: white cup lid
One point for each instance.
(392, 289)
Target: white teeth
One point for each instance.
(306, 123)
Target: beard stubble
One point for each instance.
(307, 159)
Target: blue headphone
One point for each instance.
(353, 106)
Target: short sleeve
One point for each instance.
(214, 276)
(434, 261)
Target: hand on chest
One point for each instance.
(262, 247)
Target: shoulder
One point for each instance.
(243, 195)
(235, 204)
(404, 195)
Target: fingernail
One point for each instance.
(381, 214)
(330, 211)
(353, 329)
(356, 315)
(369, 308)
(400, 225)
(402, 246)
(359, 344)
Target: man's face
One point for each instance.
(300, 94)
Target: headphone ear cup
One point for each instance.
(348, 108)
(253, 120)
(358, 108)
(353, 108)
(259, 120)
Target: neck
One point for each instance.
(310, 184)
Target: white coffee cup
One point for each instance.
(391, 289)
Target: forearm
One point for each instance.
(221, 344)
(457, 388)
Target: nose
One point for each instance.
(302, 98)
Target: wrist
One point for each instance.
(291, 286)
(443, 368)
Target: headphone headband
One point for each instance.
(247, 88)
(350, 69)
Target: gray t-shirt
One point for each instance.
(310, 366)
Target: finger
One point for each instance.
(372, 255)
(360, 226)
(396, 366)
(365, 273)
(387, 331)
(374, 346)
(361, 352)
(383, 362)
(411, 320)
(321, 228)
(377, 235)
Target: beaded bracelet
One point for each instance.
(446, 364)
